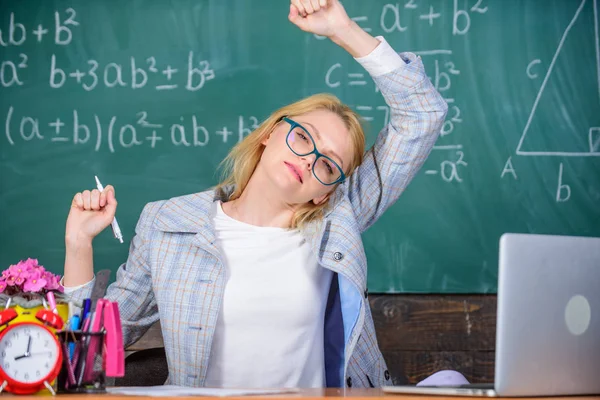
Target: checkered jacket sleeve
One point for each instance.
(417, 112)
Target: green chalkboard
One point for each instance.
(150, 95)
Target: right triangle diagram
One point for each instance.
(565, 117)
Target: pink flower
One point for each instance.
(31, 264)
(24, 268)
(29, 276)
(31, 261)
(38, 269)
(35, 283)
(47, 275)
(16, 270)
(51, 281)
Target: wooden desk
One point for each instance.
(306, 394)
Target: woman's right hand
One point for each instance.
(91, 212)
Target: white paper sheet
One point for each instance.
(172, 390)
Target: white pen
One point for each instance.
(114, 224)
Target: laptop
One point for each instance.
(548, 320)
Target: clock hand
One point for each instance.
(27, 352)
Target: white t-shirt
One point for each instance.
(271, 324)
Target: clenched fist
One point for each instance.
(91, 212)
(321, 17)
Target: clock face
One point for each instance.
(28, 353)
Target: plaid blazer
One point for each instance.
(174, 271)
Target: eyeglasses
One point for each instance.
(301, 143)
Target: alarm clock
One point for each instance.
(30, 358)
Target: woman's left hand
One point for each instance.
(321, 17)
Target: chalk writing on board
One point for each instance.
(391, 17)
(431, 16)
(442, 80)
(443, 74)
(333, 77)
(135, 75)
(16, 35)
(509, 169)
(9, 71)
(114, 133)
(461, 20)
(530, 70)
(450, 169)
(563, 191)
(593, 139)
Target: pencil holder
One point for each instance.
(84, 357)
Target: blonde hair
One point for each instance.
(240, 163)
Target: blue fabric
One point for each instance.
(341, 316)
(351, 302)
(334, 337)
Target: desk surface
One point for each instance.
(357, 394)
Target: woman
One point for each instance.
(261, 282)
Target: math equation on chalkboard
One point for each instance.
(136, 74)
(62, 55)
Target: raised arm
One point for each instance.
(132, 289)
